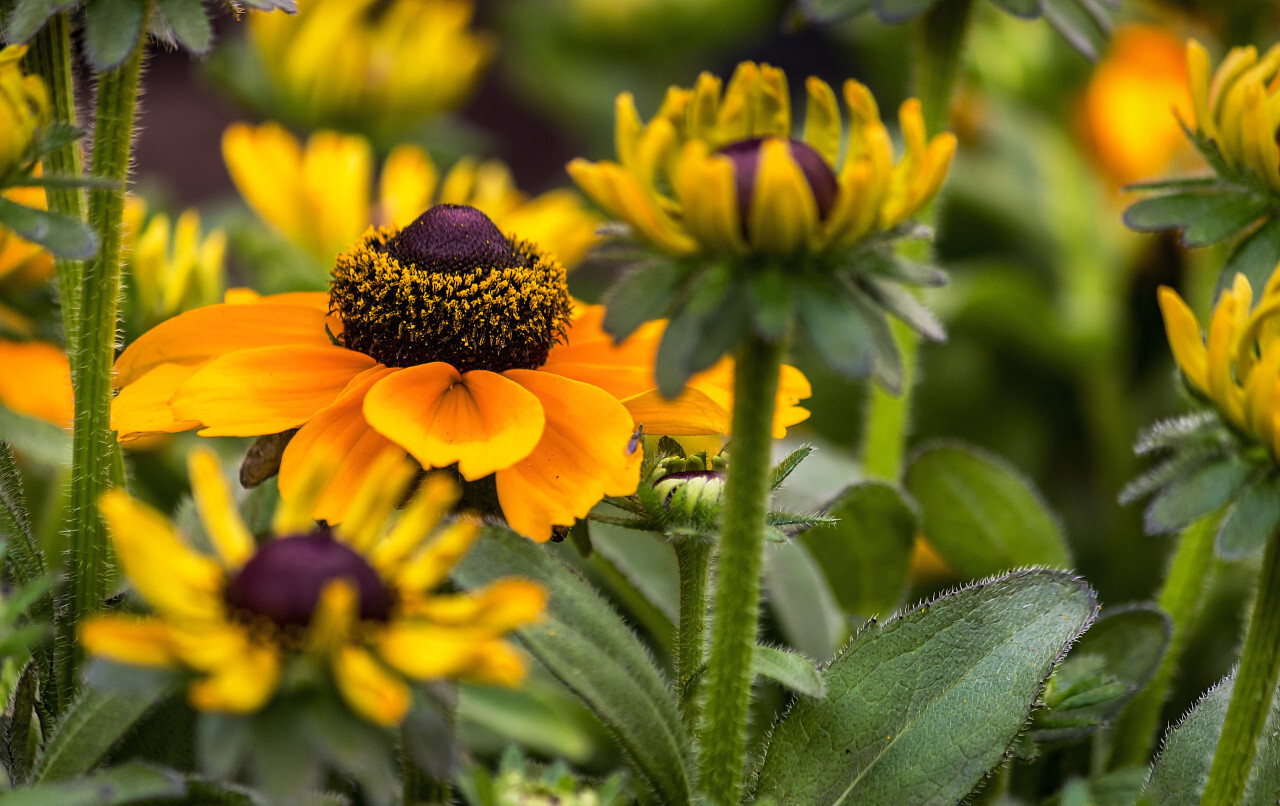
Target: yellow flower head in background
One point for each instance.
(1237, 364)
(442, 340)
(360, 598)
(1125, 109)
(718, 170)
(389, 65)
(1239, 108)
(318, 195)
(24, 108)
(174, 267)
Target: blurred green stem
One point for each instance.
(418, 786)
(693, 561)
(1253, 690)
(940, 46)
(1136, 730)
(736, 606)
(93, 450)
(50, 58)
(889, 417)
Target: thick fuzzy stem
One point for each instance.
(1136, 729)
(1252, 693)
(93, 443)
(693, 561)
(737, 594)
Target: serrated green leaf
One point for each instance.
(1255, 257)
(585, 645)
(111, 30)
(645, 292)
(801, 601)
(1181, 770)
(28, 17)
(1176, 210)
(822, 11)
(981, 514)
(919, 709)
(1232, 215)
(1079, 24)
(63, 236)
(892, 12)
(118, 786)
(190, 24)
(1026, 9)
(1253, 518)
(787, 466)
(90, 726)
(867, 553)
(835, 327)
(1195, 494)
(788, 669)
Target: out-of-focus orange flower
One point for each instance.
(1127, 113)
(36, 381)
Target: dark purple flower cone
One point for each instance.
(453, 238)
(746, 163)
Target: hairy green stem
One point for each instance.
(93, 444)
(1137, 728)
(737, 594)
(693, 562)
(50, 58)
(1252, 692)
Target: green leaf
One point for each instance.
(1175, 210)
(788, 669)
(806, 610)
(1211, 182)
(700, 332)
(28, 17)
(788, 465)
(643, 293)
(118, 786)
(903, 304)
(1080, 23)
(892, 12)
(63, 236)
(111, 30)
(1253, 518)
(919, 709)
(886, 361)
(1202, 427)
(1224, 220)
(585, 645)
(1182, 768)
(867, 553)
(769, 294)
(1255, 257)
(1027, 9)
(36, 440)
(820, 11)
(90, 726)
(980, 513)
(834, 325)
(190, 24)
(1195, 494)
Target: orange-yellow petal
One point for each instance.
(1183, 332)
(36, 381)
(128, 639)
(581, 457)
(268, 389)
(479, 419)
(500, 606)
(370, 688)
(142, 408)
(693, 412)
(241, 685)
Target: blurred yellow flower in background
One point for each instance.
(1238, 108)
(1128, 108)
(24, 109)
(320, 195)
(35, 380)
(1236, 366)
(174, 267)
(364, 63)
(720, 172)
(360, 598)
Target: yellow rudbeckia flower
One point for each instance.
(24, 109)
(174, 267)
(318, 195)
(718, 171)
(1236, 365)
(354, 64)
(361, 598)
(442, 340)
(1238, 108)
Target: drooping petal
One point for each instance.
(242, 684)
(268, 389)
(479, 419)
(431, 564)
(218, 511)
(36, 381)
(142, 408)
(128, 639)
(822, 120)
(369, 687)
(581, 457)
(692, 413)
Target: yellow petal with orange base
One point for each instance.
(370, 688)
(36, 381)
(581, 457)
(479, 419)
(128, 639)
(142, 408)
(266, 390)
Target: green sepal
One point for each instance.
(709, 322)
(63, 236)
(769, 295)
(1251, 520)
(1195, 494)
(1158, 477)
(1201, 428)
(886, 361)
(643, 293)
(824, 11)
(119, 786)
(1184, 183)
(789, 669)
(185, 23)
(866, 555)
(1106, 668)
(902, 304)
(788, 465)
(1026, 9)
(27, 18)
(1203, 217)
(1082, 23)
(890, 266)
(111, 31)
(1255, 257)
(834, 325)
(1225, 220)
(977, 659)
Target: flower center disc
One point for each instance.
(746, 164)
(284, 579)
(450, 287)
